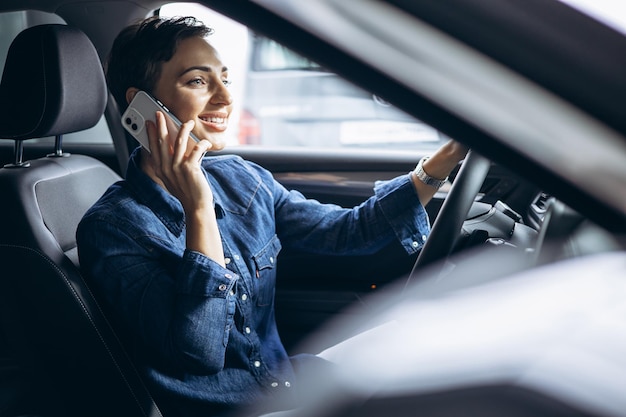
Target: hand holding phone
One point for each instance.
(142, 108)
(184, 181)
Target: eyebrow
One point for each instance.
(201, 68)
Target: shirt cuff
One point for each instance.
(202, 276)
(399, 203)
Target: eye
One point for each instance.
(227, 82)
(196, 82)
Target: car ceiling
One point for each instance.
(449, 102)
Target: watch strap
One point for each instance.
(427, 179)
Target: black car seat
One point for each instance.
(53, 84)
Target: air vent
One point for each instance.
(541, 203)
(539, 208)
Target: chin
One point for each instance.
(218, 140)
(218, 146)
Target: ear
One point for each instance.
(130, 94)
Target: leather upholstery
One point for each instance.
(64, 340)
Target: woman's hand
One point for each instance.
(179, 171)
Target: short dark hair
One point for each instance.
(139, 50)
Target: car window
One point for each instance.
(11, 24)
(268, 55)
(283, 99)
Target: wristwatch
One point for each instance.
(427, 179)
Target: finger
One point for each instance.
(182, 139)
(198, 151)
(164, 146)
(153, 142)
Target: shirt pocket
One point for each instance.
(265, 273)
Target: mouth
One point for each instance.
(217, 123)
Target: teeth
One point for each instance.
(219, 120)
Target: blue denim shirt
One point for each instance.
(204, 336)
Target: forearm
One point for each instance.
(438, 166)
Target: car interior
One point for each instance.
(60, 356)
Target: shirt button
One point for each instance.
(244, 297)
(222, 287)
(226, 261)
(229, 276)
(232, 292)
(423, 238)
(274, 384)
(236, 257)
(415, 244)
(287, 384)
(257, 364)
(271, 259)
(247, 330)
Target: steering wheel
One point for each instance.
(449, 221)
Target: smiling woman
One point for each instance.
(230, 38)
(183, 252)
(186, 81)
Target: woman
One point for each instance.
(182, 253)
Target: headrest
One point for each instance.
(52, 84)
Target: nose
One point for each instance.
(221, 95)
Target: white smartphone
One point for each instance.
(143, 107)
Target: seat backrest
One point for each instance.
(42, 204)
(53, 84)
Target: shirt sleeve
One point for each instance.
(394, 212)
(400, 204)
(163, 303)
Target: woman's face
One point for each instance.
(193, 85)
